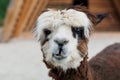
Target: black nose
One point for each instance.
(61, 43)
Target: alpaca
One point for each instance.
(64, 36)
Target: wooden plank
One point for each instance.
(42, 4)
(105, 6)
(32, 18)
(23, 18)
(33, 9)
(52, 2)
(117, 6)
(98, 1)
(100, 6)
(97, 10)
(60, 4)
(11, 18)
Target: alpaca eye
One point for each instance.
(47, 32)
(78, 32)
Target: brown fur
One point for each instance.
(104, 66)
(81, 73)
(82, 46)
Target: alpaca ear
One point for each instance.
(100, 17)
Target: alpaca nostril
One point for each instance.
(61, 42)
(66, 41)
(60, 45)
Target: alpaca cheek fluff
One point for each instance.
(64, 37)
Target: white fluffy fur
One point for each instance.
(69, 17)
(60, 23)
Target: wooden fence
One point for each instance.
(21, 16)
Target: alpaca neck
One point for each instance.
(81, 73)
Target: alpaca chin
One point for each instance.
(70, 62)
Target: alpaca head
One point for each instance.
(63, 35)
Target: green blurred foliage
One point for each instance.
(3, 7)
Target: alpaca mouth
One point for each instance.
(59, 56)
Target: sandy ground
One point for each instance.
(21, 59)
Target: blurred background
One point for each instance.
(20, 55)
